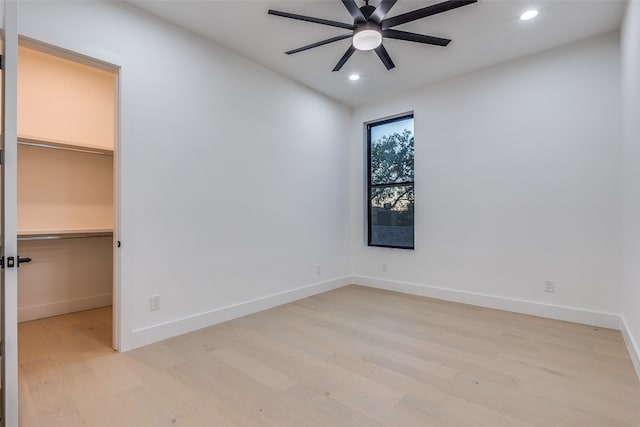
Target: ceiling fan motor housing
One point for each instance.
(367, 10)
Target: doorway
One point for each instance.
(66, 182)
(59, 194)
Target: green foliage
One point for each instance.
(392, 162)
(392, 158)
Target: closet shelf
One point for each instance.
(64, 234)
(62, 145)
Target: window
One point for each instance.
(390, 186)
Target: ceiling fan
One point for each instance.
(370, 26)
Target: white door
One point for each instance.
(8, 211)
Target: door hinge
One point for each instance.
(1, 62)
(1, 348)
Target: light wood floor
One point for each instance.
(350, 357)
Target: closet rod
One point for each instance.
(61, 147)
(62, 236)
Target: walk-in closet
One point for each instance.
(66, 135)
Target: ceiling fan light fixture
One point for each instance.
(529, 15)
(368, 37)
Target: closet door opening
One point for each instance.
(65, 221)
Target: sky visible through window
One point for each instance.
(378, 132)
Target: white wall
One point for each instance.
(631, 178)
(65, 275)
(232, 177)
(517, 182)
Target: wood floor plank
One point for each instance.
(433, 413)
(27, 411)
(272, 378)
(350, 357)
(478, 415)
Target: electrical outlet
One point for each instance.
(318, 269)
(385, 268)
(154, 302)
(549, 286)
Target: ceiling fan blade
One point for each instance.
(344, 58)
(354, 10)
(384, 57)
(424, 12)
(381, 11)
(312, 19)
(321, 43)
(413, 37)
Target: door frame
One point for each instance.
(9, 215)
(116, 69)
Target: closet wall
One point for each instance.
(66, 130)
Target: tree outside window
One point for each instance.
(391, 183)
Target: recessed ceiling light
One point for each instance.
(354, 77)
(528, 15)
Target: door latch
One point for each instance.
(22, 260)
(11, 261)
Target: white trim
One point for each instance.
(62, 307)
(64, 53)
(155, 333)
(558, 312)
(117, 334)
(151, 334)
(9, 243)
(632, 344)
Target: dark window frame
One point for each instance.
(371, 186)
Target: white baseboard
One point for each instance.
(632, 345)
(159, 332)
(569, 314)
(62, 307)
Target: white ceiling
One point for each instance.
(483, 34)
